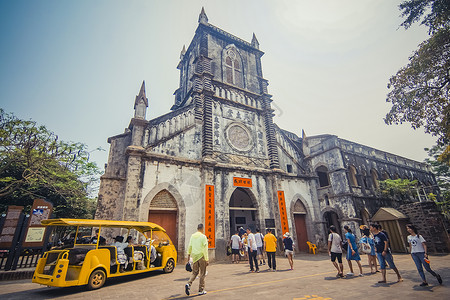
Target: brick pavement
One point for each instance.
(313, 277)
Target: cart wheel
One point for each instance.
(96, 280)
(170, 265)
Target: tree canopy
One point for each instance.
(419, 92)
(34, 163)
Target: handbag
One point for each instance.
(188, 267)
(229, 250)
(365, 247)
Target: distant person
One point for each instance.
(289, 249)
(383, 253)
(419, 254)
(244, 239)
(270, 246)
(372, 256)
(102, 241)
(352, 251)
(335, 250)
(252, 251)
(121, 256)
(236, 244)
(259, 237)
(198, 249)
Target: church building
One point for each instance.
(219, 159)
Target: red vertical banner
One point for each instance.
(210, 226)
(283, 214)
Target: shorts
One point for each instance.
(234, 251)
(335, 255)
(259, 251)
(383, 259)
(286, 252)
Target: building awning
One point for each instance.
(388, 214)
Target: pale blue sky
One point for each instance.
(76, 66)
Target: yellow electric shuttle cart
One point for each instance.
(92, 258)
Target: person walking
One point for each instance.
(419, 254)
(372, 257)
(383, 253)
(198, 249)
(335, 250)
(252, 250)
(352, 251)
(289, 249)
(259, 237)
(244, 239)
(235, 246)
(270, 246)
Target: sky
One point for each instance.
(76, 66)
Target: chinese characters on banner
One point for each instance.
(242, 182)
(210, 226)
(283, 214)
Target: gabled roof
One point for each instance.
(388, 214)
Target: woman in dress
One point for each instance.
(419, 254)
(352, 251)
(372, 256)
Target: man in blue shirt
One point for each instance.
(383, 252)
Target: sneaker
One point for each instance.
(274, 270)
(439, 279)
(202, 293)
(264, 262)
(424, 284)
(187, 288)
(360, 275)
(350, 274)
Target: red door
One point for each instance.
(302, 234)
(166, 219)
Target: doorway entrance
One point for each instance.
(300, 226)
(164, 212)
(331, 218)
(243, 212)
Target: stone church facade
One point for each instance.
(218, 158)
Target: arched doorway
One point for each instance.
(243, 212)
(300, 226)
(164, 211)
(331, 218)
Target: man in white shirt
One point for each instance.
(335, 250)
(252, 250)
(235, 246)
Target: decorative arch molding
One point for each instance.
(181, 211)
(332, 209)
(308, 217)
(226, 203)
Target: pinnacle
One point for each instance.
(203, 18)
(255, 42)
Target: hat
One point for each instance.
(119, 238)
(287, 234)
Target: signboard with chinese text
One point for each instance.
(242, 182)
(10, 225)
(41, 210)
(210, 225)
(283, 213)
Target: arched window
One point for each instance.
(352, 176)
(364, 179)
(322, 172)
(233, 67)
(374, 175)
(327, 200)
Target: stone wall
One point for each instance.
(429, 222)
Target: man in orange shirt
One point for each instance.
(270, 245)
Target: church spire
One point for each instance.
(255, 42)
(141, 103)
(202, 18)
(183, 51)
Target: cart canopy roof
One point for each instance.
(139, 226)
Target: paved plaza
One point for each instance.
(313, 277)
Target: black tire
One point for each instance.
(170, 265)
(96, 280)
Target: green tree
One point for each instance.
(442, 173)
(34, 163)
(398, 188)
(419, 92)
